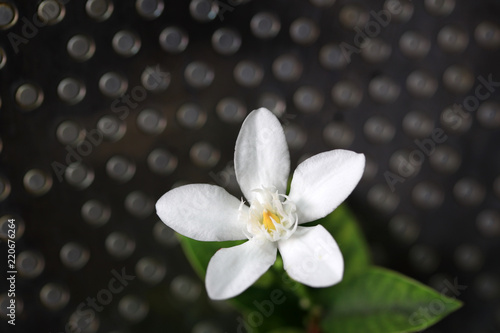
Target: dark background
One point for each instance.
(440, 225)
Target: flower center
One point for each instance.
(269, 219)
(271, 215)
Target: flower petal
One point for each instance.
(202, 212)
(311, 256)
(231, 271)
(322, 182)
(261, 156)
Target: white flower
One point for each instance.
(271, 222)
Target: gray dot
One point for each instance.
(308, 99)
(191, 116)
(126, 43)
(133, 308)
(427, 195)
(375, 50)
(99, 10)
(406, 163)
(400, 10)
(346, 94)
(287, 68)
(6, 227)
(338, 135)
(418, 124)
(154, 79)
(458, 79)
(111, 127)
(149, 9)
(231, 110)
(54, 296)
(81, 47)
(8, 15)
(5, 302)
(30, 264)
(265, 25)
(295, 136)
(379, 129)
(381, 198)
(226, 41)
(151, 121)
(487, 286)
(150, 270)
(139, 204)
(29, 96)
(37, 182)
(164, 235)
(488, 223)
(445, 159)
(119, 245)
(173, 40)
(112, 84)
(203, 10)
(304, 31)
(95, 213)
(78, 175)
(455, 119)
(383, 89)
(331, 56)
(162, 162)
(469, 192)
(74, 256)
(440, 7)
(488, 114)
(71, 90)
(185, 288)
(204, 155)
(414, 45)
(353, 15)
(322, 3)
(421, 84)
(452, 39)
(487, 35)
(273, 102)
(404, 228)
(51, 11)
(424, 258)
(70, 133)
(248, 73)
(468, 257)
(199, 75)
(120, 169)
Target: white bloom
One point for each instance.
(271, 222)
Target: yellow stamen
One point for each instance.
(268, 218)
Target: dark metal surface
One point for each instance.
(107, 105)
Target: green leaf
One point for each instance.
(383, 301)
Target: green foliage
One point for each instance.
(369, 299)
(384, 301)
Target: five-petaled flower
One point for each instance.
(271, 221)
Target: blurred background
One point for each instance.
(105, 105)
